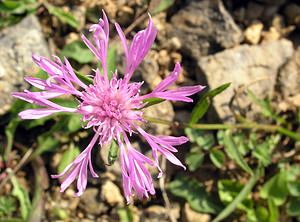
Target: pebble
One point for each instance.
(253, 33)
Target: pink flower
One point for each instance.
(112, 108)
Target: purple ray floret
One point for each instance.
(113, 108)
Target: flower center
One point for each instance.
(111, 108)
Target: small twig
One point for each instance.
(135, 23)
(18, 167)
(164, 193)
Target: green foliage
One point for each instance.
(125, 214)
(78, 51)
(111, 61)
(7, 206)
(22, 195)
(204, 102)
(113, 153)
(217, 157)
(266, 108)
(276, 188)
(11, 12)
(205, 140)
(157, 6)
(62, 15)
(68, 156)
(195, 194)
(293, 207)
(233, 152)
(194, 159)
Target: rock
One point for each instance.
(250, 67)
(111, 194)
(156, 213)
(289, 76)
(193, 216)
(205, 26)
(17, 44)
(253, 33)
(90, 202)
(149, 69)
(163, 111)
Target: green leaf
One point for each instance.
(232, 151)
(194, 160)
(84, 78)
(157, 6)
(191, 190)
(229, 209)
(22, 195)
(62, 15)
(111, 61)
(74, 123)
(217, 157)
(205, 140)
(228, 190)
(18, 7)
(68, 156)
(125, 214)
(7, 205)
(294, 188)
(262, 214)
(45, 143)
(293, 207)
(152, 101)
(78, 51)
(205, 101)
(276, 188)
(274, 212)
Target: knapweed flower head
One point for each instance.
(113, 108)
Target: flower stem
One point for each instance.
(248, 125)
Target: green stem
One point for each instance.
(251, 125)
(240, 197)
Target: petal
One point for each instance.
(37, 113)
(170, 80)
(123, 39)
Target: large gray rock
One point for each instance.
(246, 67)
(289, 76)
(204, 26)
(17, 44)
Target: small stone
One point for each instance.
(204, 26)
(175, 43)
(111, 194)
(193, 216)
(125, 15)
(17, 43)
(271, 35)
(164, 58)
(253, 33)
(149, 69)
(289, 76)
(90, 202)
(249, 67)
